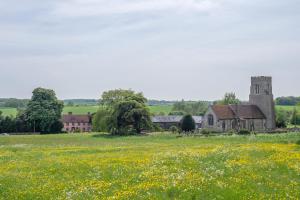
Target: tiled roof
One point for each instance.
(238, 111)
(174, 119)
(223, 111)
(76, 118)
(247, 111)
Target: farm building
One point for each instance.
(166, 122)
(77, 123)
(256, 115)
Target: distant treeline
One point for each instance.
(13, 103)
(21, 103)
(81, 102)
(153, 102)
(288, 101)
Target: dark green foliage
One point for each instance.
(281, 118)
(44, 110)
(174, 129)
(22, 124)
(188, 123)
(13, 103)
(131, 115)
(295, 119)
(7, 124)
(102, 120)
(193, 108)
(287, 101)
(244, 132)
(123, 112)
(56, 127)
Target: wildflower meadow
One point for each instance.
(158, 166)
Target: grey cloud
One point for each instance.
(161, 50)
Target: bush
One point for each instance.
(244, 132)
(174, 129)
(205, 132)
(231, 132)
(188, 124)
(282, 118)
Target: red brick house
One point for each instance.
(77, 123)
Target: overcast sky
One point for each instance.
(167, 49)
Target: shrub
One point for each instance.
(231, 132)
(188, 123)
(174, 129)
(281, 118)
(205, 132)
(244, 132)
(77, 130)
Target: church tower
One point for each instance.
(262, 96)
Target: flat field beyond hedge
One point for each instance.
(159, 166)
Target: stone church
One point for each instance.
(256, 115)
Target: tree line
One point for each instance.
(13, 102)
(288, 101)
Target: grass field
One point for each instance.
(85, 109)
(160, 108)
(288, 108)
(96, 166)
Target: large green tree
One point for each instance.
(44, 111)
(131, 114)
(122, 112)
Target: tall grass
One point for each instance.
(160, 166)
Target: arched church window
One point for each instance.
(210, 120)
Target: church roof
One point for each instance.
(247, 111)
(238, 111)
(223, 111)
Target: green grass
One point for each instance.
(97, 166)
(161, 108)
(288, 108)
(8, 111)
(80, 109)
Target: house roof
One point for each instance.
(76, 118)
(174, 119)
(238, 111)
